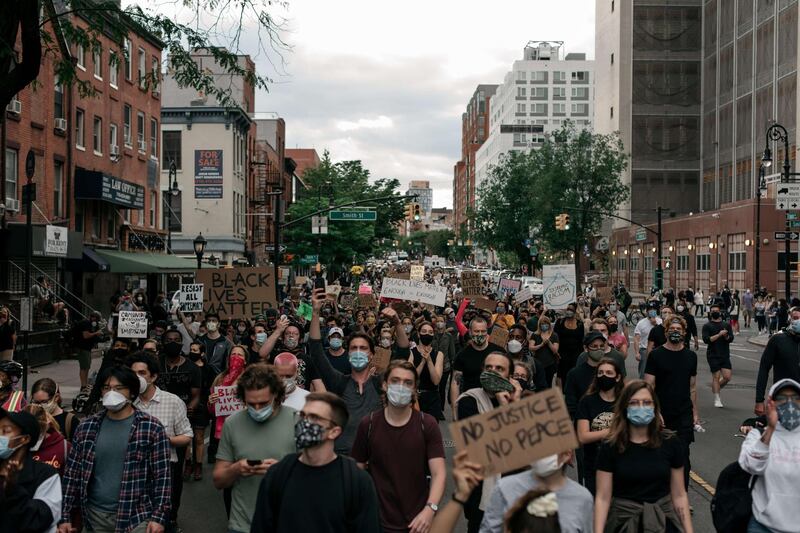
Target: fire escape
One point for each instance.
(268, 179)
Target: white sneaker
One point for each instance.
(717, 401)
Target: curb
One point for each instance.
(759, 340)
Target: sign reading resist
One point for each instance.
(132, 325)
(192, 298)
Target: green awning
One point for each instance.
(145, 262)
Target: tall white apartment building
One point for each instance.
(541, 91)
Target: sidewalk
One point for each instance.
(65, 373)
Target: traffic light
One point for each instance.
(566, 221)
(409, 211)
(417, 212)
(562, 222)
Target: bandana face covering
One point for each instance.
(494, 383)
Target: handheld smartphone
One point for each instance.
(319, 282)
(253, 462)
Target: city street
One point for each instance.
(202, 508)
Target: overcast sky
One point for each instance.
(386, 82)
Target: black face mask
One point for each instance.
(606, 383)
(119, 354)
(172, 349)
(195, 356)
(715, 314)
(612, 328)
(426, 340)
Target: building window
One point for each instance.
(140, 132)
(58, 101)
(79, 129)
(521, 108)
(559, 109)
(648, 264)
(112, 139)
(97, 136)
(97, 63)
(12, 175)
(521, 91)
(58, 188)
(581, 75)
(156, 67)
(128, 50)
(612, 111)
(539, 109)
(80, 56)
(142, 68)
(539, 75)
(154, 138)
(612, 58)
(579, 109)
(737, 261)
(703, 262)
(79, 216)
(559, 92)
(171, 206)
(580, 92)
(153, 201)
(171, 148)
(682, 263)
(539, 92)
(113, 69)
(126, 126)
(521, 75)
(559, 76)
(634, 264)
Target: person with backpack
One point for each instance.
(770, 455)
(344, 496)
(399, 447)
(46, 393)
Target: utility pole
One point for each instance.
(659, 269)
(28, 196)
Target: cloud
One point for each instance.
(381, 122)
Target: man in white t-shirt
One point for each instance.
(286, 365)
(640, 334)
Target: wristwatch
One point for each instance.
(433, 506)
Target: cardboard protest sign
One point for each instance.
(228, 403)
(559, 285)
(417, 272)
(604, 294)
(523, 296)
(366, 300)
(471, 284)
(365, 288)
(294, 294)
(486, 304)
(241, 292)
(414, 291)
(300, 280)
(333, 291)
(508, 286)
(191, 298)
(132, 325)
(499, 337)
(381, 358)
(402, 308)
(515, 435)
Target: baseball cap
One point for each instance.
(25, 421)
(592, 336)
(335, 330)
(782, 384)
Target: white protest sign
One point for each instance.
(132, 325)
(508, 286)
(227, 402)
(417, 272)
(414, 291)
(559, 285)
(192, 298)
(523, 296)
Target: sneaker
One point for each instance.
(717, 401)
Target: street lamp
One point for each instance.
(762, 184)
(199, 247)
(776, 132)
(172, 191)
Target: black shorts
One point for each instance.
(717, 363)
(201, 417)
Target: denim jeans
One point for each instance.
(755, 527)
(642, 361)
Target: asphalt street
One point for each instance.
(202, 508)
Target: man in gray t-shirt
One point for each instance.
(110, 448)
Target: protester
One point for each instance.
(10, 374)
(658, 334)
(718, 335)
(112, 480)
(429, 366)
(287, 338)
(253, 440)
(8, 335)
(570, 332)
(501, 318)
(400, 447)
(468, 364)
(87, 332)
(594, 414)
(781, 356)
(199, 417)
(46, 393)
(544, 346)
(682, 310)
(218, 347)
(641, 333)
(640, 469)
(30, 491)
(599, 325)
(344, 496)
(286, 367)
(51, 448)
(445, 343)
(236, 365)
(770, 455)
(336, 352)
(616, 338)
(580, 378)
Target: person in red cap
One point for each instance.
(30, 492)
(286, 365)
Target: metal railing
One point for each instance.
(54, 283)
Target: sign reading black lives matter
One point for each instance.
(515, 435)
(192, 298)
(237, 292)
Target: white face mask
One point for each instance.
(211, 326)
(142, 384)
(114, 401)
(546, 466)
(35, 448)
(514, 346)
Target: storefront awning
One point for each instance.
(95, 185)
(145, 262)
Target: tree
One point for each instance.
(335, 184)
(25, 38)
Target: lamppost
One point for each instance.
(776, 132)
(172, 191)
(199, 247)
(762, 184)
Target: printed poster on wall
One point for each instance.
(208, 174)
(56, 241)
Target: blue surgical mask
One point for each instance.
(652, 313)
(795, 326)
(260, 415)
(5, 450)
(261, 337)
(358, 360)
(335, 343)
(641, 416)
(399, 395)
(545, 327)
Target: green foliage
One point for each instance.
(335, 184)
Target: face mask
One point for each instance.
(606, 383)
(612, 328)
(795, 326)
(114, 401)
(641, 416)
(681, 308)
(94, 324)
(789, 415)
(173, 349)
(675, 337)
(612, 308)
(479, 340)
(142, 384)
(358, 360)
(494, 383)
(5, 450)
(370, 320)
(290, 384)
(546, 466)
(500, 310)
(569, 313)
(514, 346)
(119, 353)
(35, 447)
(261, 337)
(335, 343)
(399, 395)
(544, 327)
(308, 434)
(290, 343)
(426, 340)
(715, 314)
(652, 314)
(596, 355)
(408, 328)
(50, 406)
(259, 415)
(242, 329)
(212, 326)
(440, 325)
(194, 356)
(386, 342)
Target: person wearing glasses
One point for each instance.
(640, 469)
(253, 440)
(344, 498)
(770, 454)
(118, 471)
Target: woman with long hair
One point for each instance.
(544, 346)
(595, 413)
(429, 364)
(46, 392)
(640, 469)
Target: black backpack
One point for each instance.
(732, 504)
